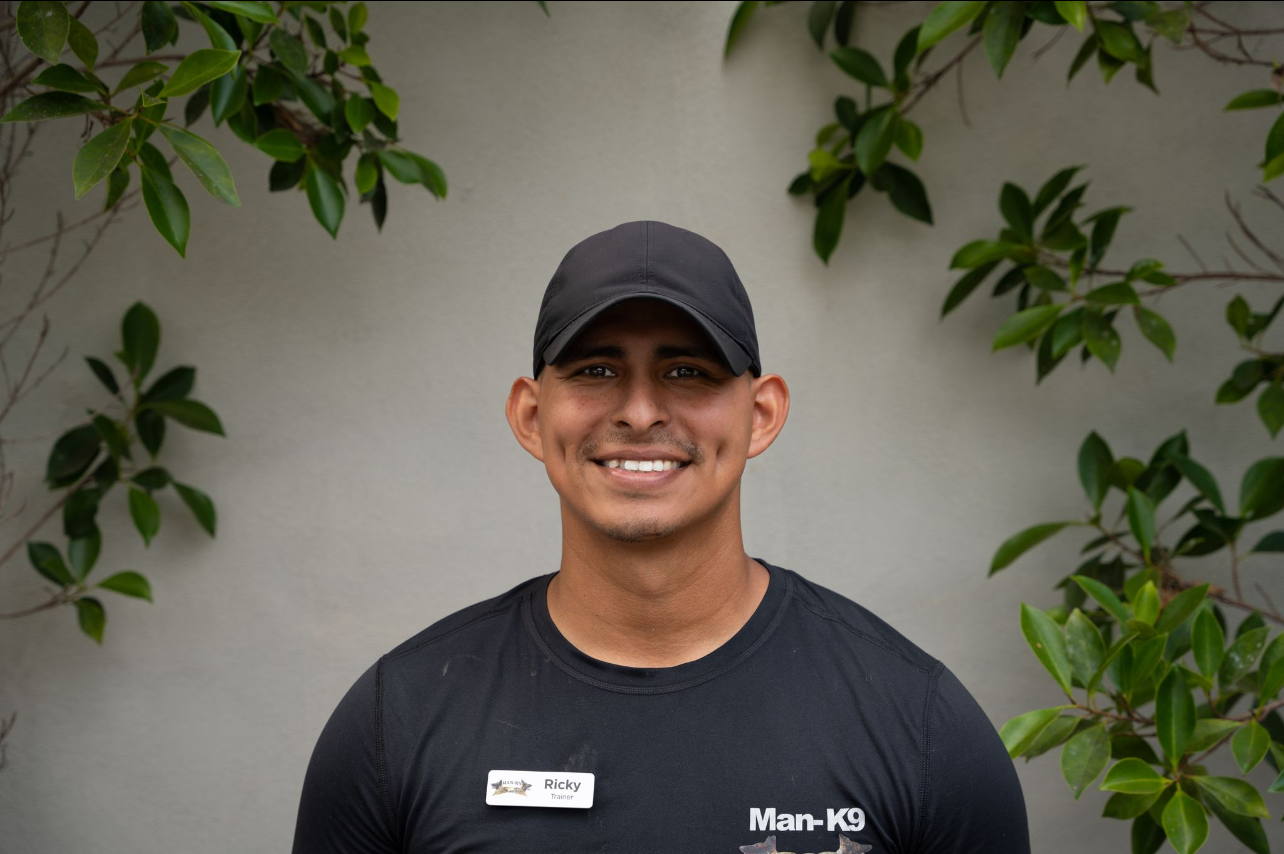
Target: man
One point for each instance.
(662, 691)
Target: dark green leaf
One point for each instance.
(52, 105)
(98, 157)
(859, 64)
(198, 68)
(907, 193)
(281, 144)
(204, 161)
(1015, 206)
(91, 616)
(145, 514)
(258, 12)
(1001, 32)
(83, 42)
(818, 18)
(129, 583)
(1261, 492)
(944, 19)
(326, 199)
(738, 21)
(167, 208)
(160, 27)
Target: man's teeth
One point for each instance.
(642, 465)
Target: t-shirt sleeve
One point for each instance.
(972, 800)
(345, 805)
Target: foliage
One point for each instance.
(253, 94)
(1129, 585)
(91, 458)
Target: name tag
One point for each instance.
(539, 789)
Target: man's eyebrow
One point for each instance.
(664, 351)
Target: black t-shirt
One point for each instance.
(816, 728)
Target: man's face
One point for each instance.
(644, 382)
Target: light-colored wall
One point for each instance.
(370, 484)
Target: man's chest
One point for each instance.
(718, 773)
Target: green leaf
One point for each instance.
(1210, 731)
(829, 216)
(83, 42)
(1001, 32)
(818, 18)
(140, 339)
(965, 285)
(1053, 188)
(1075, 12)
(875, 139)
(65, 78)
(1095, 461)
(1104, 596)
(145, 513)
(1180, 607)
(269, 85)
(1156, 330)
(1119, 41)
(1199, 477)
(359, 112)
(739, 19)
(1145, 606)
(258, 12)
(1133, 776)
(355, 55)
(290, 51)
(1084, 757)
(1270, 407)
(189, 413)
(1048, 645)
(325, 198)
(1255, 99)
(98, 157)
(1115, 293)
(167, 208)
(159, 25)
(367, 173)
(1242, 655)
(82, 553)
(1018, 544)
(1272, 542)
(129, 583)
(1019, 733)
(280, 144)
(200, 67)
(1141, 519)
(174, 384)
(52, 105)
(1174, 715)
(909, 138)
(317, 98)
(1238, 796)
(1101, 339)
(908, 193)
(944, 19)
(1261, 492)
(1085, 647)
(979, 252)
(1015, 206)
(48, 562)
(357, 16)
(200, 504)
(227, 94)
(205, 162)
(1103, 231)
(385, 98)
(1249, 745)
(859, 64)
(43, 28)
(91, 616)
(1185, 823)
(1024, 325)
(140, 73)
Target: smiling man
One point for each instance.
(662, 690)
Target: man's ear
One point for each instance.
(770, 409)
(522, 410)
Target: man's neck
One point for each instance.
(654, 604)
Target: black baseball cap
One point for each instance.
(651, 259)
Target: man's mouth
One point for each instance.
(642, 465)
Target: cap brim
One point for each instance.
(733, 355)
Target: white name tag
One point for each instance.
(539, 789)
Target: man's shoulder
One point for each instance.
(856, 626)
(470, 622)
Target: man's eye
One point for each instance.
(594, 368)
(695, 371)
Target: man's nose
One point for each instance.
(642, 402)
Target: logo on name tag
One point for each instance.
(539, 789)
